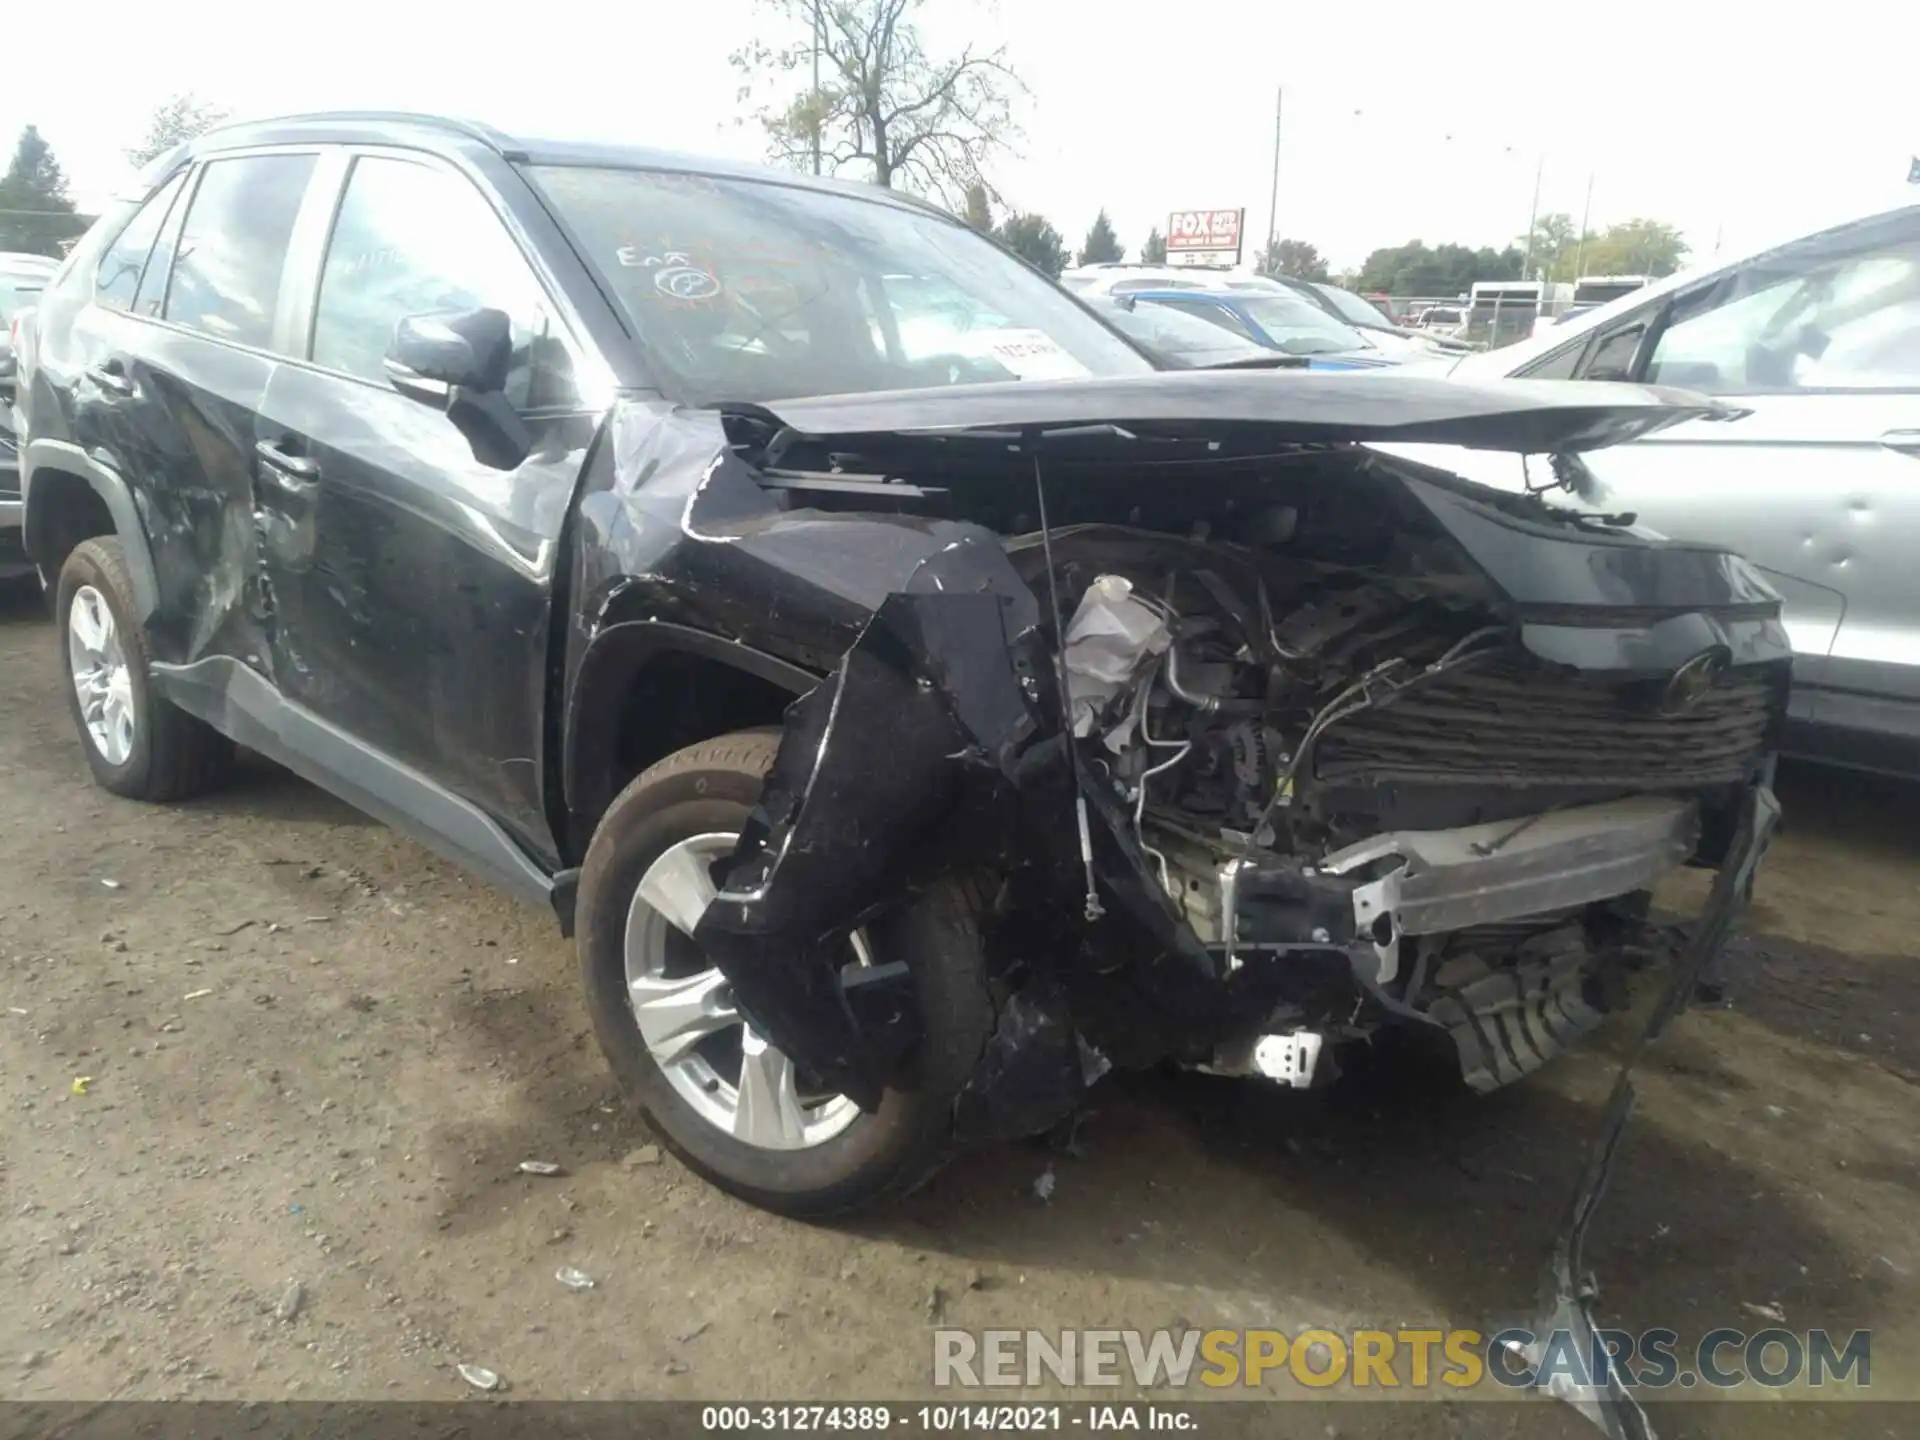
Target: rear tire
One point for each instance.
(160, 753)
(709, 788)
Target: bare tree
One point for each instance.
(177, 118)
(883, 104)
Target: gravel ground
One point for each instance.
(314, 1057)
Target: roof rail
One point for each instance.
(472, 129)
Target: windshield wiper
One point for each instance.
(1274, 361)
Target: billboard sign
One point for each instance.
(1204, 237)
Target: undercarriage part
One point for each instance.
(1290, 1059)
(1508, 1024)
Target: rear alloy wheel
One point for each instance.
(138, 743)
(102, 682)
(723, 1099)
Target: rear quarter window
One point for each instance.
(116, 281)
(233, 247)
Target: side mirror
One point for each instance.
(459, 363)
(432, 354)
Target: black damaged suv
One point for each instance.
(917, 703)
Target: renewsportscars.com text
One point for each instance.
(1398, 1359)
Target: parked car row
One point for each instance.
(22, 278)
(914, 697)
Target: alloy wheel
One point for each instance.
(715, 1061)
(101, 677)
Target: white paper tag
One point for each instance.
(1032, 355)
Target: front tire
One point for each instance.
(138, 743)
(722, 1100)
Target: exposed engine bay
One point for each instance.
(1262, 718)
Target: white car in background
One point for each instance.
(1122, 278)
(1815, 347)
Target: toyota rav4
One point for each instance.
(913, 701)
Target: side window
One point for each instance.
(414, 240)
(153, 284)
(1610, 357)
(1816, 321)
(226, 274)
(117, 281)
(1558, 366)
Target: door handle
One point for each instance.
(111, 376)
(298, 466)
(1904, 442)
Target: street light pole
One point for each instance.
(1580, 244)
(1273, 203)
(1533, 215)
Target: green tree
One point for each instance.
(1292, 257)
(1035, 241)
(1154, 251)
(1550, 256)
(886, 106)
(1416, 269)
(35, 214)
(1634, 247)
(979, 212)
(177, 118)
(1102, 246)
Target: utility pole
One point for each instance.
(1580, 244)
(1533, 215)
(816, 87)
(1273, 204)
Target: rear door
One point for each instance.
(1820, 481)
(169, 363)
(414, 582)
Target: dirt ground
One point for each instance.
(315, 1056)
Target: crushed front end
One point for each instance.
(1261, 740)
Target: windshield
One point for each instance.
(1352, 308)
(1297, 327)
(1180, 340)
(755, 290)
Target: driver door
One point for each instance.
(411, 581)
(1819, 482)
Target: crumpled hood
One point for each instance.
(1526, 416)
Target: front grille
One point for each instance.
(1499, 726)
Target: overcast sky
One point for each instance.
(1742, 123)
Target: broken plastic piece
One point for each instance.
(538, 1167)
(479, 1377)
(573, 1279)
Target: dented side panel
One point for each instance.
(183, 440)
(409, 587)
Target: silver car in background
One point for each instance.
(1816, 478)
